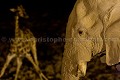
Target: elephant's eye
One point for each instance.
(80, 32)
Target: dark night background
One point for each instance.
(48, 19)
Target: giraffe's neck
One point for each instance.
(17, 26)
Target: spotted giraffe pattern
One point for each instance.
(23, 43)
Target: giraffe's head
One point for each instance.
(20, 11)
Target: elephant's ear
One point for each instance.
(113, 44)
(112, 36)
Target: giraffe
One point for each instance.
(21, 45)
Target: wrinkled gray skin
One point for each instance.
(93, 26)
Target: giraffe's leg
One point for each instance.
(19, 64)
(9, 58)
(82, 66)
(34, 52)
(29, 57)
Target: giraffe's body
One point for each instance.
(21, 45)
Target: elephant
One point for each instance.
(93, 26)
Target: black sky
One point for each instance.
(43, 13)
(39, 6)
(37, 9)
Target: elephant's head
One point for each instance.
(83, 39)
(88, 29)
